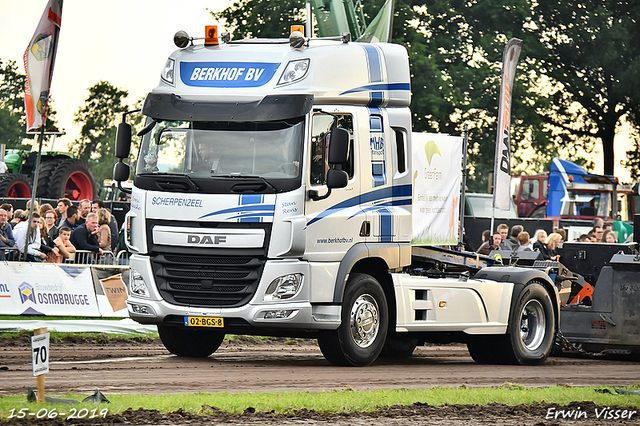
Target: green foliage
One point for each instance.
(99, 119)
(588, 54)
(258, 18)
(12, 112)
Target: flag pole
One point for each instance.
(34, 188)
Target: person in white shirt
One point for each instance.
(33, 245)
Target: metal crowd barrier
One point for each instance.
(80, 257)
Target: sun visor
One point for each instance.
(272, 107)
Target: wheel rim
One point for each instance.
(532, 324)
(19, 190)
(365, 320)
(78, 187)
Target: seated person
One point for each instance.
(65, 247)
(209, 157)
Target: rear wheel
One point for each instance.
(197, 343)
(363, 329)
(399, 347)
(530, 334)
(44, 176)
(73, 179)
(15, 185)
(539, 212)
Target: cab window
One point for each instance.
(320, 132)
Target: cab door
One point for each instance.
(333, 223)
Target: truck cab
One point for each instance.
(272, 195)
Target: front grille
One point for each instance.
(207, 281)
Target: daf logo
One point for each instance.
(206, 239)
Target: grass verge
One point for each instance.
(341, 401)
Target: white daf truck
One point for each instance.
(272, 195)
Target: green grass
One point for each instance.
(75, 337)
(346, 400)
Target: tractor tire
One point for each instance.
(44, 177)
(73, 179)
(15, 185)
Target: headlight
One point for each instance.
(284, 287)
(168, 71)
(137, 285)
(295, 71)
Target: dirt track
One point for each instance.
(276, 366)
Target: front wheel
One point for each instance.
(363, 329)
(196, 343)
(532, 328)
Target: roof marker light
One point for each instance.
(211, 35)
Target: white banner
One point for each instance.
(47, 289)
(437, 172)
(502, 167)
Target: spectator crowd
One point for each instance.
(57, 234)
(549, 246)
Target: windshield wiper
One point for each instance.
(245, 176)
(180, 176)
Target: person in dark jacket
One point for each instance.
(85, 236)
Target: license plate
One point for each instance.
(203, 322)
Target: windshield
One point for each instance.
(269, 150)
(591, 204)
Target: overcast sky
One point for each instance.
(124, 42)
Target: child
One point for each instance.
(64, 245)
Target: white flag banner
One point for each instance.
(437, 173)
(38, 64)
(502, 168)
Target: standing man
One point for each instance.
(63, 205)
(71, 221)
(85, 236)
(503, 230)
(513, 239)
(6, 233)
(9, 208)
(83, 211)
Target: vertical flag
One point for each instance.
(379, 30)
(502, 167)
(38, 63)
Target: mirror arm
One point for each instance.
(313, 194)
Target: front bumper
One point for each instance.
(294, 313)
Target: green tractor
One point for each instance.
(61, 175)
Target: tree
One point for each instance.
(589, 55)
(99, 118)
(12, 112)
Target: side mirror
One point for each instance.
(338, 146)
(121, 173)
(337, 178)
(123, 140)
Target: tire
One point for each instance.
(363, 329)
(539, 212)
(73, 179)
(197, 343)
(484, 349)
(15, 185)
(44, 177)
(532, 327)
(399, 347)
